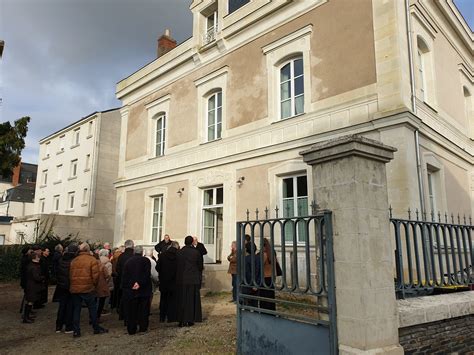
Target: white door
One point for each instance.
(213, 199)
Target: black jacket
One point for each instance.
(123, 258)
(56, 257)
(34, 282)
(189, 266)
(202, 249)
(162, 246)
(25, 260)
(62, 270)
(166, 267)
(137, 269)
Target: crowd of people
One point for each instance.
(123, 279)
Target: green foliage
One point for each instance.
(12, 142)
(10, 255)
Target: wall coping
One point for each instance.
(427, 309)
(346, 146)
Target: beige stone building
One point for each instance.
(215, 126)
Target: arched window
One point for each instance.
(422, 54)
(214, 116)
(160, 134)
(292, 88)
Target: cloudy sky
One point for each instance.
(62, 58)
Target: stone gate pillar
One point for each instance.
(349, 178)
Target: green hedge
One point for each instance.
(10, 255)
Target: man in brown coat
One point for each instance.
(84, 276)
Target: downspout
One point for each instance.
(413, 109)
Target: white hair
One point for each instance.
(139, 250)
(84, 247)
(148, 252)
(103, 252)
(129, 243)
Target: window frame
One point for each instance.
(76, 137)
(217, 132)
(295, 198)
(71, 200)
(292, 79)
(73, 169)
(44, 178)
(160, 117)
(160, 213)
(56, 203)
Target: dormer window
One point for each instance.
(211, 24)
(236, 4)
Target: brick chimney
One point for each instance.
(16, 175)
(165, 43)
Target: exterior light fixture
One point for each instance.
(240, 181)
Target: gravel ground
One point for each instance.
(216, 335)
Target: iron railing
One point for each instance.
(432, 252)
(302, 246)
(210, 35)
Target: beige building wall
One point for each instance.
(357, 81)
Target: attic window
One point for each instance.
(236, 4)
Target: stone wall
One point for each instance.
(453, 335)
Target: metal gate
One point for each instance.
(286, 294)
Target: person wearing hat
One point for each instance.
(64, 315)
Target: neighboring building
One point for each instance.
(5, 226)
(215, 126)
(76, 171)
(22, 174)
(18, 201)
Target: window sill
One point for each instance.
(289, 118)
(86, 170)
(70, 210)
(42, 186)
(55, 212)
(60, 152)
(72, 178)
(157, 157)
(209, 142)
(75, 145)
(84, 205)
(46, 157)
(89, 136)
(57, 182)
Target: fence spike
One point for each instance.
(248, 213)
(445, 217)
(256, 214)
(416, 213)
(464, 218)
(452, 218)
(423, 215)
(459, 219)
(390, 211)
(314, 207)
(266, 212)
(276, 211)
(439, 216)
(470, 221)
(409, 213)
(432, 216)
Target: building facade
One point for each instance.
(76, 171)
(214, 127)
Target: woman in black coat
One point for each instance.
(166, 267)
(33, 286)
(62, 294)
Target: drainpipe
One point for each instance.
(413, 109)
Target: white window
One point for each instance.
(90, 127)
(88, 162)
(42, 204)
(421, 74)
(47, 149)
(160, 135)
(70, 199)
(294, 204)
(61, 143)
(292, 88)
(157, 219)
(212, 221)
(211, 26)
(45, 177)
(56, 203)
(214, 116)
(85, 196)
(59, 172)
(73, 172)
(76, 136)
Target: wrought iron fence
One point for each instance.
(432, 251)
